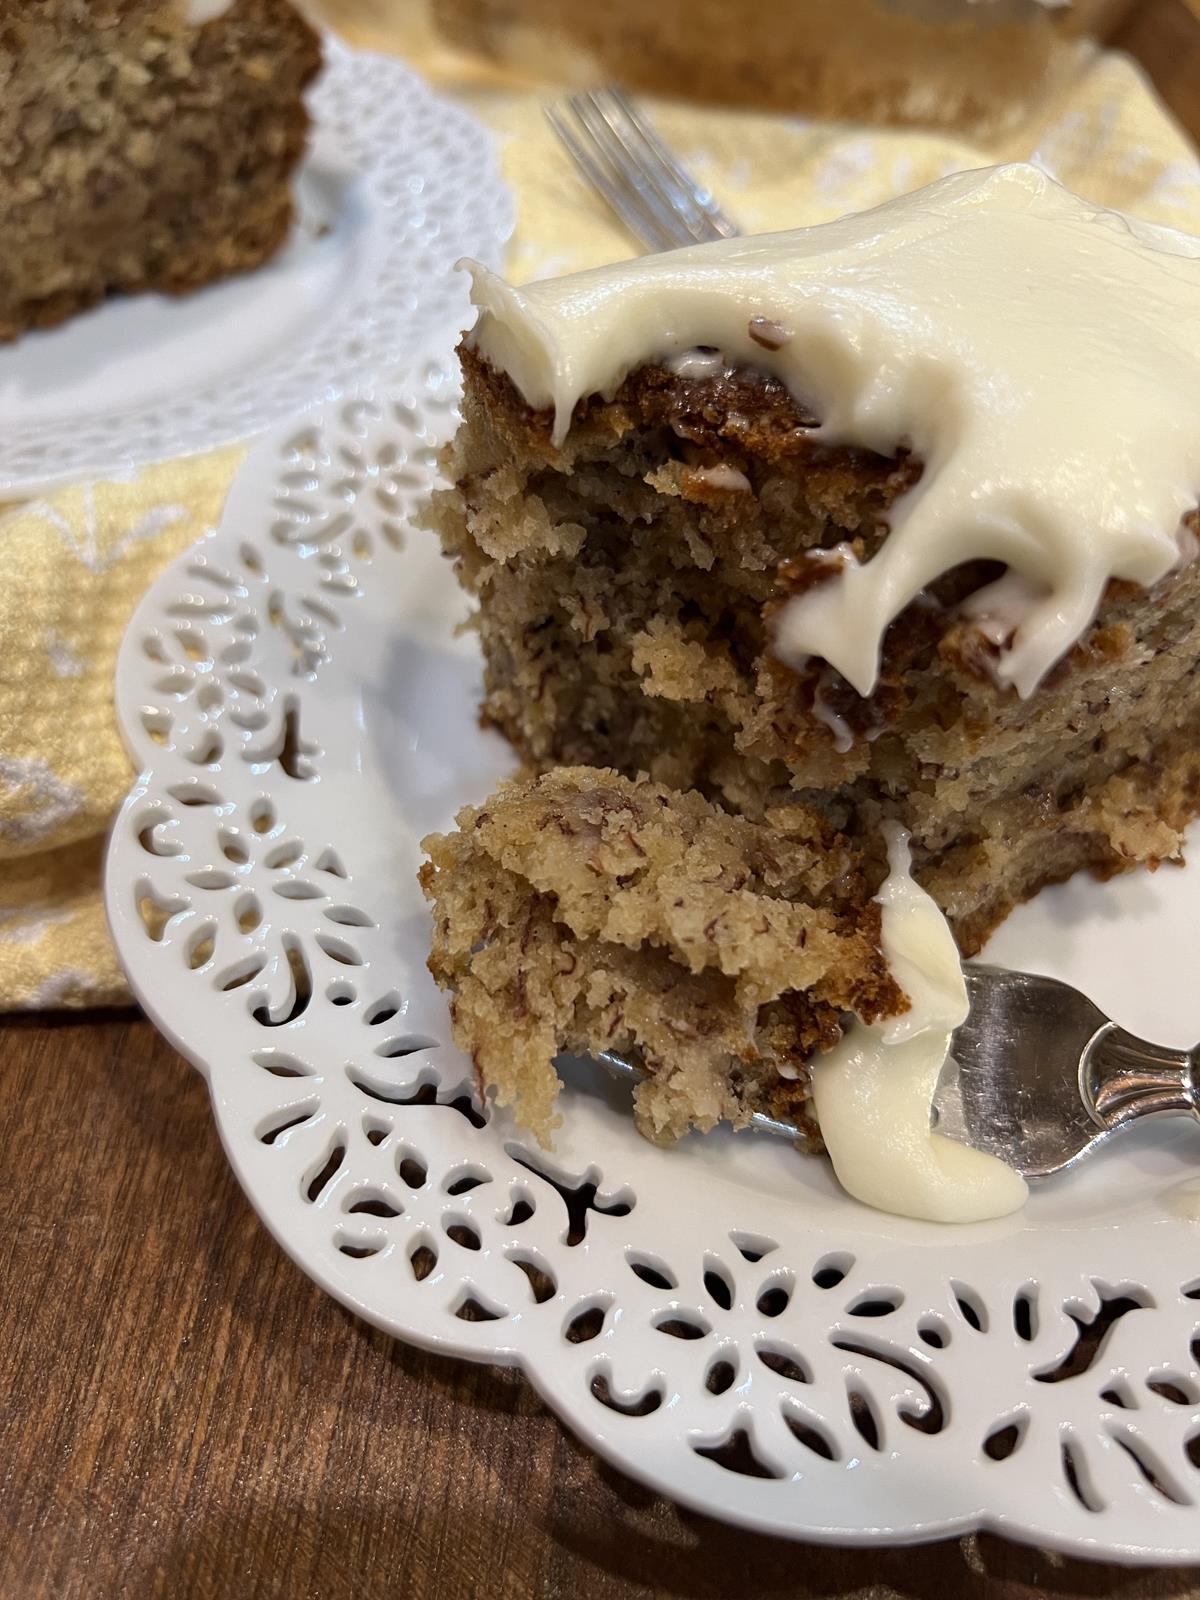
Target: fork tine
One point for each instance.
(630, 172)
(644, 144)
(639, 167)
(628, 203)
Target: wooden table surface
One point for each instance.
(183, 1414)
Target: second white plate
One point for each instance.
(397, 184)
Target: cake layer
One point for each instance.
(627, 579)
(140, 152)
(582, 911)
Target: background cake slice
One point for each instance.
(582, 911)
(144, 144)
(928, 62)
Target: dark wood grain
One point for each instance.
(182, 1414)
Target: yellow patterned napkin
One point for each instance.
(74, 566)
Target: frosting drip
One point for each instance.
(1040, 355)
(874, 1090)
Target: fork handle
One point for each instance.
(1122, 1078)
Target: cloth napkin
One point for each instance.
(75, 565)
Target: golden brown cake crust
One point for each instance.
(739, 410)
(626, 584)
(139, 153)
(583, 911)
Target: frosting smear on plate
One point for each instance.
(1039, 354)
(874, 1090)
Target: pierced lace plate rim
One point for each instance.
(833, 1277)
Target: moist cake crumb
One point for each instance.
(627, 581)
(582, 911)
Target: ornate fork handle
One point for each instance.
(1122, 1078)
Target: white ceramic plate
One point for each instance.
(718, 1320)
(397, 184)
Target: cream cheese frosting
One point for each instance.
(874, 1090)
(1039, 354)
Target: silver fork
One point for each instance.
(625, 161)
(1039, 1076)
